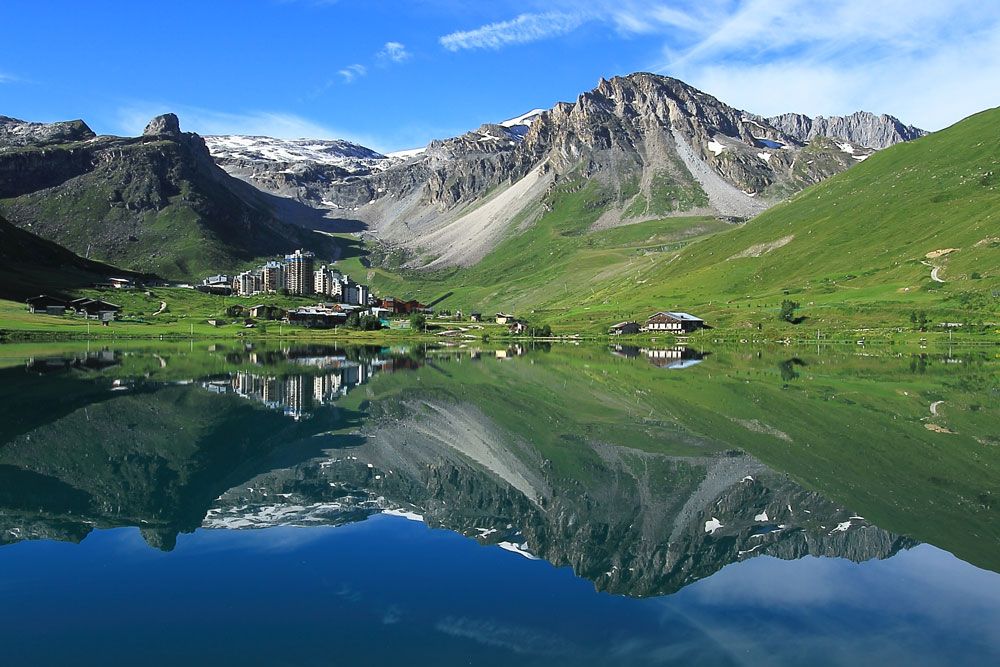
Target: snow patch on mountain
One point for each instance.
(242, 148)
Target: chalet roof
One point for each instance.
(677, 315)
(45, 298)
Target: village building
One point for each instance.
(505, 318)
(273, 277)
(299, 272)
(95, 309)
(674, 322)
(624, 329)
(248, 283)
(46, 305)
(475, 316)
(518, 327)
(122, 283)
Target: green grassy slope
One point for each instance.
(151, 204)
(852, 250)
(861, 239)
(557, 261)
(30, 265)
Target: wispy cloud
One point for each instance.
(901, 57)
(521, 30)
(393, 52)
(132, 119)
(7, 78)
(352, 72)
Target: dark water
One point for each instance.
(551, 506)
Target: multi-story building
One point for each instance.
(247, 283)
(328, 282)
(274, 277)
(299, 272)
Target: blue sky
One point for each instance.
(395, 74)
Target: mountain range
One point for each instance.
(644, 146)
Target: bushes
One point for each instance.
(787, 313)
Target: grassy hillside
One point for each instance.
(152, 204)
(856, 251)
(30, 265)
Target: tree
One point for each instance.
(418, 321)
(788, 308)
(369, 323)
(919, 320)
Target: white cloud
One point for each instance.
(393, 51)
(131, 120)
(7, 78)
(521, 30)
(352, 72)
(903, 57)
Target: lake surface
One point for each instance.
(313, 505)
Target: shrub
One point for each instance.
(788, 308)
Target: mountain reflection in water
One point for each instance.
(640, 481)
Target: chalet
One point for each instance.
(674, 322)
(518, 327)
(95, 308)
(624, 329)
(121, 283)
(316, 317)
(402, 307)
(46, 305)
(504, 318)
(475, 316)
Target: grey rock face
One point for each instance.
(165, 125)
(862, 127)
(15, 133)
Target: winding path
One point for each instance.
(163, 307)
(934, 272)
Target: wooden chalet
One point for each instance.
(624, 329)
(674, 322)
(46, 305)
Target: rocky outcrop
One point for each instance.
(863, 128)
(14, 132)
(155, 203)
(166, 125)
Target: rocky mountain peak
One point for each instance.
(865, 128)
(14, 132)
(165, 125)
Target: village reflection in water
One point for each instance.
(451, 435)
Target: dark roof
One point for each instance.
(45, 298)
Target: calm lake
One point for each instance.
(565, 505)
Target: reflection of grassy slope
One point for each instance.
(159, 458)
(855, 429)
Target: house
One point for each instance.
(214, 323)
(518, 327)
(673, 322)
(504, 318)
(475, 316)
(402, 307)
(121, 283)
(95, 308)
(46, 305)
(316, 317)
(258, 311)
(624, 329)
